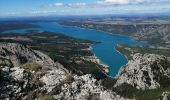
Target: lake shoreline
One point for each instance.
(133, 38)
(105, 66)
(103, 51)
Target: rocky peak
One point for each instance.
(22, 69)
(19, 54)
(27, 74)
(145, 71)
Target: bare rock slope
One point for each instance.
(26, 74)
(148, 71)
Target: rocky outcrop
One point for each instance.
(17, 81)
(19, 54)
(165, 96)
(26, 74)
(86, 87)
(146, 71)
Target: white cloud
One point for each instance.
(140, 1)
(56, 4)
(78, 4)
(59, 4)
(104, 3)
(117, 1)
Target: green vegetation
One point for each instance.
(66, 50)
(41, 95)
(57, 89)
(162, 79)
(165, 63)
(125, 51)
(129, 91)
(152, 40)
(11, 25)
(46, 97)
(5, 62)
(128, 50)
(87, 67)
(144, 50)
(94, 96)
(32, 66)
(108, 82)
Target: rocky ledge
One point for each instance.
(27, 74)
(148, 71)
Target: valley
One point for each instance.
(73, 52)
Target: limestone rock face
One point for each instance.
(53, 78)
(144, 71)
(18, 54)
(86, 87)
(18, 82)
(165, 95)
(44, 79)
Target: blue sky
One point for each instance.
(81, 7)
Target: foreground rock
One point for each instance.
(26, 74)
(86, 88)
(148, 71)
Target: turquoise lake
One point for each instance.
(105, 50)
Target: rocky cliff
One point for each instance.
(148, 71)
(27, 74)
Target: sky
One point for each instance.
(81, 7)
